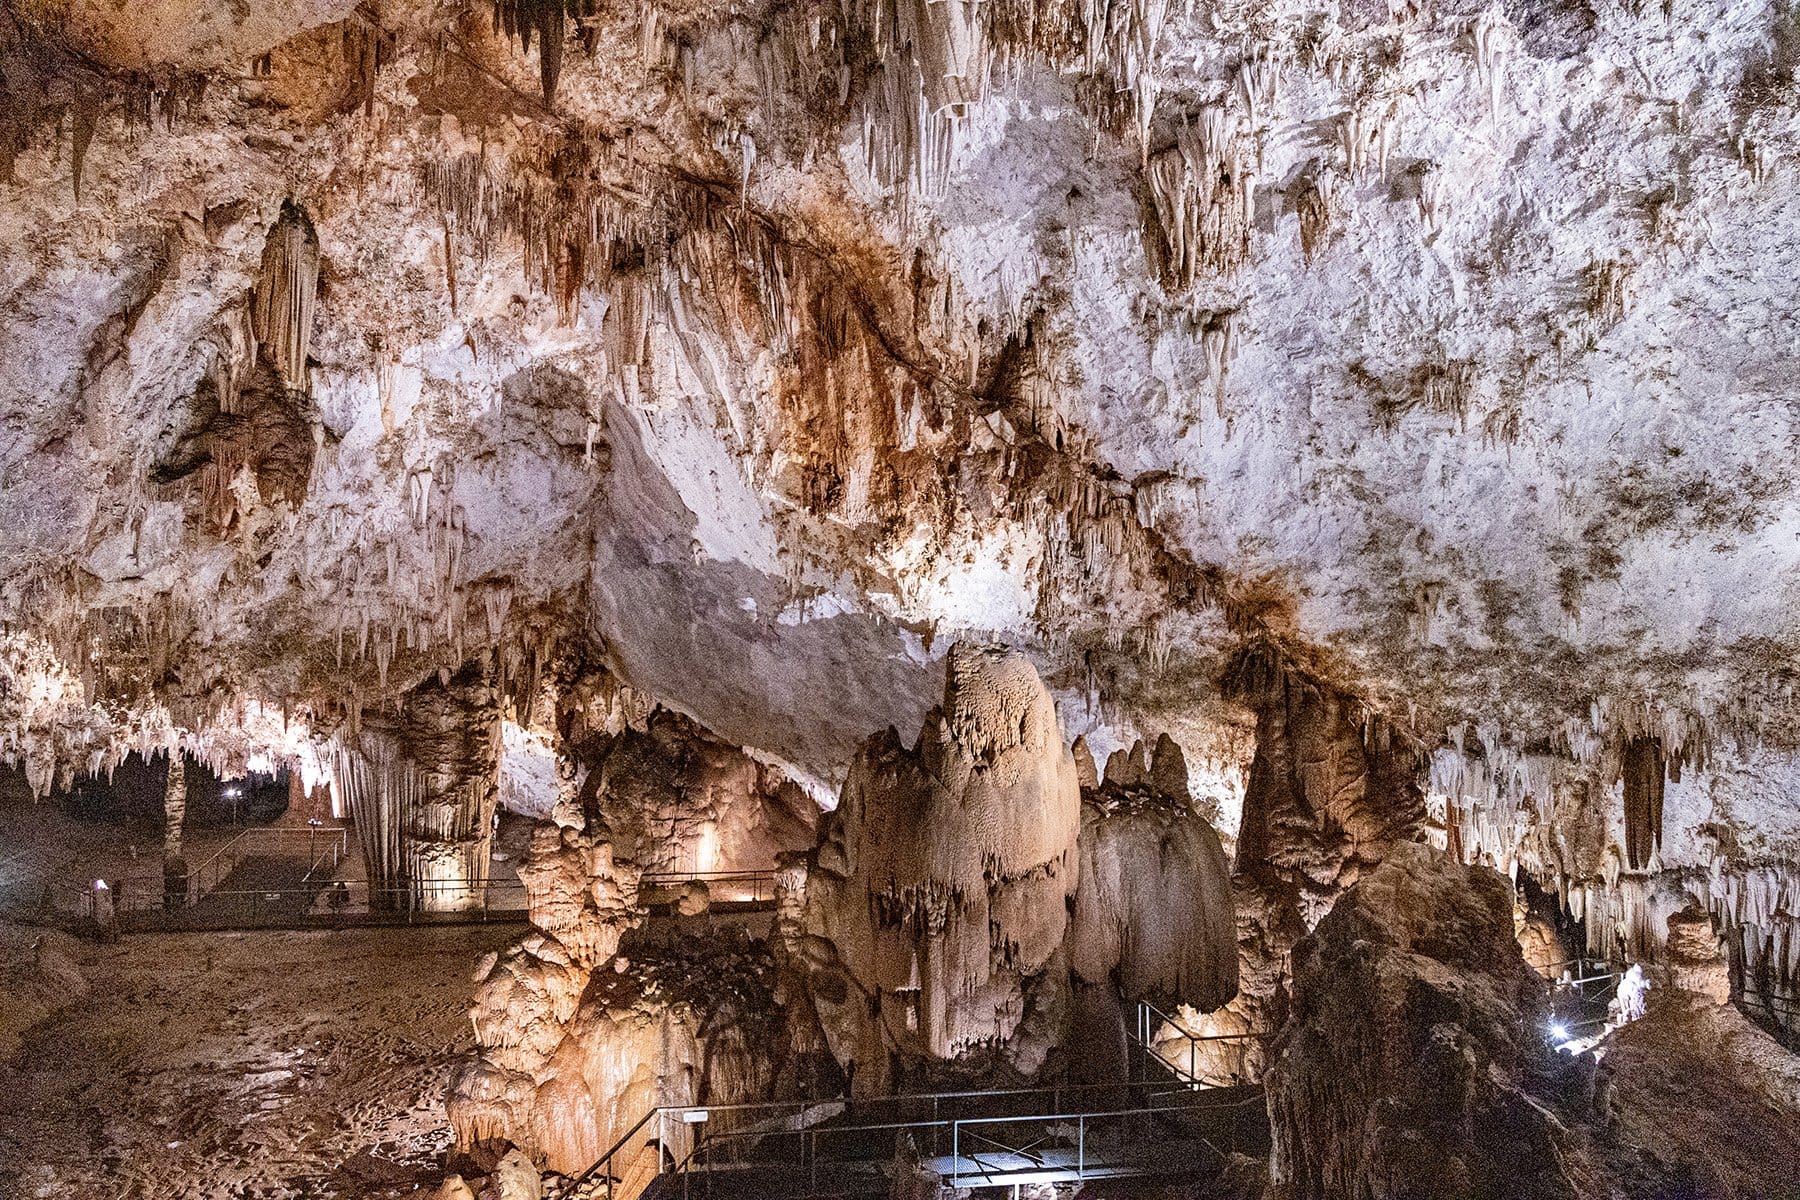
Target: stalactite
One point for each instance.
(367, 47)
(1644, 769)
(84, 117)
(1258, 85)
(1366, 134)
(1610, 290)
(1494, 37)
(1755, 155)
(149, 95)
(547, 20)
(1447, 387)
(1313, 204)
(1430, 196)
(286, 286)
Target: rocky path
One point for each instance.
(245, 1065)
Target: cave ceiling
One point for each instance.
(761, 351)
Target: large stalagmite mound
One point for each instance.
(1408, 1064)
(1153, 914)
(939, 897)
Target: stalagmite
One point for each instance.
(943, 878)
(1153, 909)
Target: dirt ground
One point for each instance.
(252, 1066)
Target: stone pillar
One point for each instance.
(175, 870)
(422, 785)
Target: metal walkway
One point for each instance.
(248, 886)
(1161, 1125)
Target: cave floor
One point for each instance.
(247, 1065)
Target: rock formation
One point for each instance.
(1415, 1063)
(693, 1022)
(1411, 1059)
(939, 896)
(1331, 791)
(576, 1040)
(672, 798)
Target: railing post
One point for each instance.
(1081, 1148)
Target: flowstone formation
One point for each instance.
(938, 900)
(1153, 918)
(971, 903)
(1332, 789)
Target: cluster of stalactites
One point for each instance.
(939, 58)
(281, 314)
(1204, 192)
(547, 20)
(54, 724)
(1757, 909)
(1537, 815)
(408, 588)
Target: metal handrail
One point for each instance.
(959, 1128)
(338, 838)
(761, 883)
(1151, 1019)
(602, 1167)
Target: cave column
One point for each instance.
(175, 870)
(422, 786)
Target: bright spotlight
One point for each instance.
(1559, 1031)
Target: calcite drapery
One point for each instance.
(281, 310)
